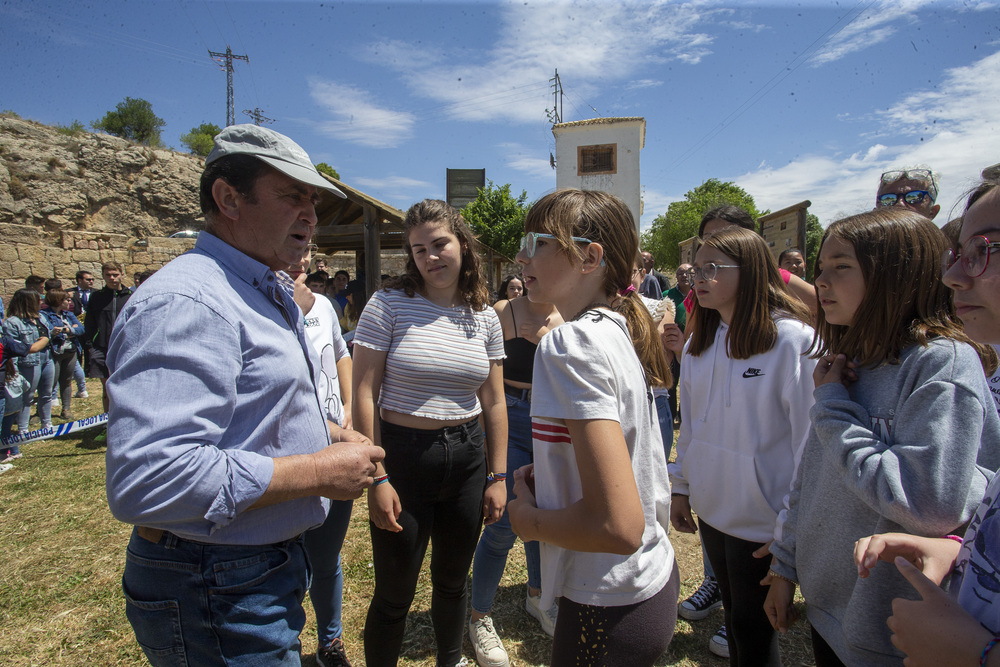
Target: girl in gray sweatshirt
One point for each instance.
(904, 436)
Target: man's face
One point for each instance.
(647, 261)
(321, 265)
(683, 278)
(112, 278)
(317, 286)
(277, 221)
(926, 207)
(86, 281)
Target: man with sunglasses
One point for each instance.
(916, 189)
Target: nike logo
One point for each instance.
(752, 373)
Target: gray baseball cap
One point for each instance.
(273, 148)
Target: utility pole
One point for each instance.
(556, 113)
(229, 58)
(258, 116)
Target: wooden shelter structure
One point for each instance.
(363, 224)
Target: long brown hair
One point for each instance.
(905, 302)
(761, 295)
(472, 286)
(24, 304)
(605, 219)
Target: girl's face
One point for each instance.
(977, 300)
(549, 275)
(437, 252)
(839, 282)
(719, 293)
(515, 288)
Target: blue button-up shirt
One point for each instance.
(211, 379)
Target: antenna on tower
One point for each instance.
(229, 58)
(258, 116)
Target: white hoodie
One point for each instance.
(744, 423)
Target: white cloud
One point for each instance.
(642, 83)
(356, 119)
(528, 161)
(588, 42)
(952, 128)
(393, 182)
(876, 24)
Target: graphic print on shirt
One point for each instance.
(548, 431)
(882, 426)
(328, 377)
(979, 563)
(753, 373)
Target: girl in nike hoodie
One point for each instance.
(746, 380)
(904, 437)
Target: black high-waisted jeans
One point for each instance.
(440, 477)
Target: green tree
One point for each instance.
(200, 140)
(814, 236)
(133, 119)
(328, 170)
(497, 217)
(682, 218)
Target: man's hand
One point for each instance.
(346, 468)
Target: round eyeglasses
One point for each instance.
(974, 256)
(708, 271)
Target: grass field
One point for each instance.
(61, 602)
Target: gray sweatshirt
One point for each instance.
(908, 448)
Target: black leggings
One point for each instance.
(825, 656)
(440, 477)
(752, 640)
(634, 635)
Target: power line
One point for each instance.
(228, 55)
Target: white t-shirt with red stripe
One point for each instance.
(588, 369)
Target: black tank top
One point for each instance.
(520, 361)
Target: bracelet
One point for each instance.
(986, 651)
(778, 576)
(496, 477)
(954, 537)
(382, 479)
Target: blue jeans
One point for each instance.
(666, 422)
(440, 477)
(40, 378)
(78, 376)
(202, 604)
(498, 538)
(323, 545)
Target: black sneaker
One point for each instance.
(704, 600)
(333, 655)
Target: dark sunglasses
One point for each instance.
(913, 198)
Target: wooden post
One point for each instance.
(373, 251)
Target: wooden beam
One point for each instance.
(373, 250)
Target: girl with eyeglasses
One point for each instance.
(957, 628)
(597, 495)
(904, 435)
(745, 399)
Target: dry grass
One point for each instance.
(61, 602)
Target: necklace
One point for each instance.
(590, 306)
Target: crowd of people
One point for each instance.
(839, 436)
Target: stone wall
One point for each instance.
(26, 251)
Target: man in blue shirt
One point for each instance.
(218, 448)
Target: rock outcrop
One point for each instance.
(56, 182)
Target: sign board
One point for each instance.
(463, 186)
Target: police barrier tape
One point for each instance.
(56, 431)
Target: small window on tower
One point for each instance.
(597, 159)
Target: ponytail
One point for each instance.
(645, 339)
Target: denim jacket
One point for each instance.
(27, 333)
(67, 319)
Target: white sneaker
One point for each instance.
(485, 640)
(81, 394)
(719, 643)
(4, 467)
(546, 617)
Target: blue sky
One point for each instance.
(792, 101)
